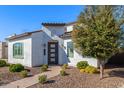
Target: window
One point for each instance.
(52, 59)
(52, 45)
(52, 50)
(70, 49)
(52, 55)
(18, 50)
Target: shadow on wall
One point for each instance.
(64, 57)
(117, 59)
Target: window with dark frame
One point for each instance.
(18, 51)
(70, 50)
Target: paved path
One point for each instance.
(121, 86)
(26, 82)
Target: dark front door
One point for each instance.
(53, 52)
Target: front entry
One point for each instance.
(53, 52)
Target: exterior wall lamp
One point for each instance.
(44, 45)
(44, 50)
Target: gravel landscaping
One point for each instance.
(6, 76)
(114, 77)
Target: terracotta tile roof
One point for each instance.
(22, 35)
(53, 24)
(58, 24)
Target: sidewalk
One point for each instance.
(26, 82)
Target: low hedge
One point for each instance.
(44, 68)
(24, 73)
(89, 69)
(45, 65)
(64, 66)
(63, 72)
(82, 70)
(82, 64)
(16, 68)
(2, 63)
(42, 79)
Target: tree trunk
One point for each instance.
(101, 71)
(101, 64)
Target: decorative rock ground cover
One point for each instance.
(113, 78)
(6, 76)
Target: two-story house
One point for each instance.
(50, 45)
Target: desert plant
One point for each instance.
(42, 79)
(44, 68)
(63, 72)
(24, 73)
(2, 63)
(45, 65)
(64, 66)
(82, 64)
(16, 68)
(91, 69)
(82, 70)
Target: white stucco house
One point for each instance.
(50, 45)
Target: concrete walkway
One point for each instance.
(122, 86)
(26, 82)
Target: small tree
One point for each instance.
(97, 32)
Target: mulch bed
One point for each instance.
(113, 78)
(7, 77)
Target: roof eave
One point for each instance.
(22, 35)
(53, 24)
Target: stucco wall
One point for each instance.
(6, 52)
(55, 30)
(27, 51)
(38, 49)
(3, 50)
(69, 28)
(48, 35)
(77, 57)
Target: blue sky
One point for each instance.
(20, 19)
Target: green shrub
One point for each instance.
(82, 70)
(45, 65)
(7, 64)
(16, 68)
(24, 73)
(82, 64)
(91, 69)
(64, 66)
(2, 63)
(42, 79)
(44, 68)
(63, 73)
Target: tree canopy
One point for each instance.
(98, 32)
